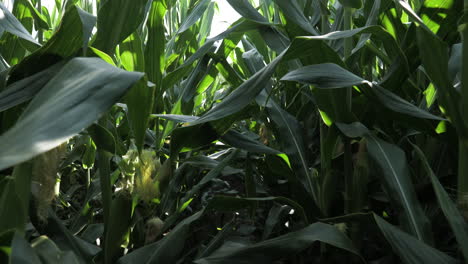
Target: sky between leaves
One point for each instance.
(221, 21)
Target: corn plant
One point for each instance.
(309, 131)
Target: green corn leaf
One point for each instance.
(11, 206)
(396, 178)
(351, 3)
(84, 251)
(84, 88)
(276, 248)
(232, 204)
(10, 24)
(25, 89)
(168, 249)
(410, 249)
(436, 67)
(239, 140)
(243, 95)
(117, 227)
(411, 13)
(14, 48)
(140, 99)
(329, 76)
(21, 251)
(292, 142)
(154, 48)
(194, 16)
(72, 35)
(39, 19)
(244, 8)
(293, 12)
(450, 210)
(117, 19)
(399, 105)
(326, 75)
(50, 253)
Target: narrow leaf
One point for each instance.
(450, 210)
(392, 162)
(9, 23)
(325, 75)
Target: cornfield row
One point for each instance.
(309, 131)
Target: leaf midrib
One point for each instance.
(405, 199)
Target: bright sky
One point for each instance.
(225, 17)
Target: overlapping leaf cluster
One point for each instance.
(308, 131)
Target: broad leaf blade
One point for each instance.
(292, 11)
(242, 141)
(25, 89)
(21, 251)
(392, 162)
(410, 249)
(117, 19)
(451, 212)
(70, 102)
(325, 75)
(9, 23)
(282, 246)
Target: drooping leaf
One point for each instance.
(117, 227)
(351, 3)
(70, 102)
(21, 251)
(353, 130)
(451, 212)
(9, 23)
(326, 75)
(292, 11)
(102, 138)
(14, 48)
(117, 19)
(333, 76)
(218, 239)
(244, 8)
(399, 105)
(282, 246)
(74, 33)
(166, 250)
(242, 96)
(436, 67)
(241, 141)
(11, 206)
(154, 49)
(394, 169)
(410, 249)
(215, 172)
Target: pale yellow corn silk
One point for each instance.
(153, 228)
(343, 227)
(265, 134)
(44, 173)
(146, 186)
